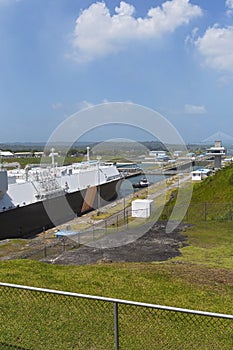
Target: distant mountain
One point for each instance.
(13, 146)
(28, 146)
(219, 136)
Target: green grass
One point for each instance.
(209, 245)
(187, 283)
(215, 189)
(210, 211)
(167, 283)
(216, 192)
(33, 160)
(69, 321)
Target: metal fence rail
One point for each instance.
(34, 318)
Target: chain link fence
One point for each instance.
(33, 318)
(200, 212)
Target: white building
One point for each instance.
(23, 154)
(38, 154)
(6, 154)
(158, 153)
(200, 174)
(177, 154)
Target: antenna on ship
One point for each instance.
(52, 154)
(88, 154)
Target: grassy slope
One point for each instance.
(210, 242)
(215, 189)
(210, 245)
(187, 286)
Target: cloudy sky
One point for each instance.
(60, 56)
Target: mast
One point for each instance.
(88, 154)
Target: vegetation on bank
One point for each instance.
(211, 198)
(37, 160)
(215, 189)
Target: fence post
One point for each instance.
(116, 327)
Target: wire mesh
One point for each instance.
(38, 319)
(32, 320)
(200, 212)
(161, 329)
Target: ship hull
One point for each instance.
(34, 218)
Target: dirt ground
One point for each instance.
(154, 245)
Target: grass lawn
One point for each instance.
(210, 245)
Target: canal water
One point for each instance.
(127, 185)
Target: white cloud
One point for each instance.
(190, 39)
(193, 109)
(225, 80)
(83, 105)
(229, 6)
(216, 46)
(87, 104)
(57, 106)
(98, 33)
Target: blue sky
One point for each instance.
(59, 56)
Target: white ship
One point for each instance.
(37, 198)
